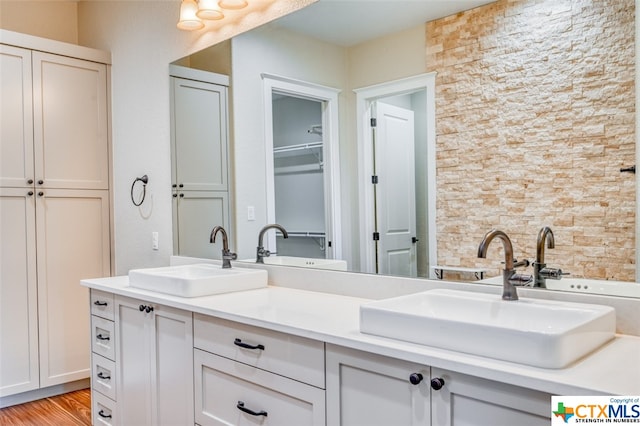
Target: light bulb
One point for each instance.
(209, 9)
(188, 19)
(233, 4)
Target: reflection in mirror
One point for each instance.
(535, 117)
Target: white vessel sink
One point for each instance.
(540, 333)
(197, 280)
(304, 262)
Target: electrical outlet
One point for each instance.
(251, 213)
(154, 240)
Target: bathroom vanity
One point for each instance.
(294, 356)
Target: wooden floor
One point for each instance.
(70, 409)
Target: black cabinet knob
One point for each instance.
(181, 185)
(30, 181)
(30, 193)
(437, 383)
(175, 195)
(148, 309)
(40, 182)
(181, 195)
(40, 194)
(415, 378)
(142, 307)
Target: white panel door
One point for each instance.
(395, 192)
(73, 244)
(197, 213)
(18, 293)
(472, 401)
(70, 122)
(171, 367)
(16, 118)
(365, 389)
(133, 354)
(199, 113)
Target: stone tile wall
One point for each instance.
(535, 110)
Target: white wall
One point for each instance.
(276, 52)
(53, 20)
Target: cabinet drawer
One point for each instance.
(103, 337)
(103, 410)
(232, 393)
(102, 304)
(103, 375)
(291, 356)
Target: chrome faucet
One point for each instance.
(509, 276)
(227, 256)
(540, 270)
(261, 253)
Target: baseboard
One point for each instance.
(36, 394)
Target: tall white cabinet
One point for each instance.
(199, 167)
(54, 207)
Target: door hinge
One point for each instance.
(329, 243)
(374, 122)
(374, 179)
(376, 236)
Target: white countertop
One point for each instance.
(614, 369)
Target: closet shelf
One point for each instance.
(298, 149)
(303, 234)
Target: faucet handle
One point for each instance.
(521, 280)
(553, 273)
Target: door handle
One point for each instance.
(414, 240)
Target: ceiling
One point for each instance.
(384, 17)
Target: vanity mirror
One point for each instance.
(534, 118)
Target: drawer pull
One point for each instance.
(101, 337)
(103, 377)
(100, 303)
(242, 408)
(104, 415)
(240, 343)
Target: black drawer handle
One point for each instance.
(101, 337)
(103, 415)
(100, 303)
(240, 343)
(242, 408)
(103, 377)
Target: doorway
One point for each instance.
(301, 129)
(397, 228)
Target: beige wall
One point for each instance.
(535, 118)
(56, 20)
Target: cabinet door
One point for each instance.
(16, 116)
(199, 139)
(367, 389)
(171, 366)
(18, 293)
(154, 347)
(133, 354)
(471, 401)
(73, 244)
(197, 213)
(70, 122)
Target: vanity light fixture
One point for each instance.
(209, 9)
(192, 13)
(233, 4)
(189, 19)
